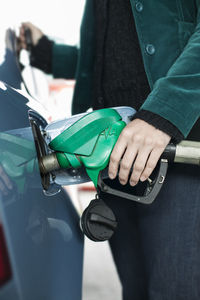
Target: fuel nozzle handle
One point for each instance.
(28, 38)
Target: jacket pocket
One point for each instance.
(185, 30)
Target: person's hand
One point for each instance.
(139, 145)
(36, 34)
(5, 183)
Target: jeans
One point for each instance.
(156, 247)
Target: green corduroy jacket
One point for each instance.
(169, 37)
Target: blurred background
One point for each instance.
(60, 20)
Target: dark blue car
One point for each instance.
(41, 245)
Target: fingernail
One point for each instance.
(133, 183)
(111, 176)
(142, 178)
(122, 182)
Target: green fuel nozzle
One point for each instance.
(88, 142)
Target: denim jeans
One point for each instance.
(156, 247)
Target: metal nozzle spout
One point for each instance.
(48, 163)
(188, 152)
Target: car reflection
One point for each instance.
(17, 162)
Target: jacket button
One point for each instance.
(83, 75)
(139, 6)
(150, 49)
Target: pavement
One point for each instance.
(100, 279)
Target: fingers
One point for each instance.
(115, 157)
(139, 165)
(36, 34)
(21, 39)
(140, 145)
(151, 163)
(126, 164)
(5, 183)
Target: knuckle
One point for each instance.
(125, 133)
(148, 141)
(146, 173)
(134, 178)
(113, 159)
(137, 138)
(160, 144)
(124, 166)
(150, 165)
(138, 167)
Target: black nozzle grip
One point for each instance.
(169, 153)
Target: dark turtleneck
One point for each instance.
(119, 75)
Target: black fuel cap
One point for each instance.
(98, 221)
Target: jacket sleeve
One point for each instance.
(64, 61)
(176, 97)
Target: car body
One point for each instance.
(41, 244)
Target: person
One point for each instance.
(144, 54)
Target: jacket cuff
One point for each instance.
(160, 123)
(41, 55)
